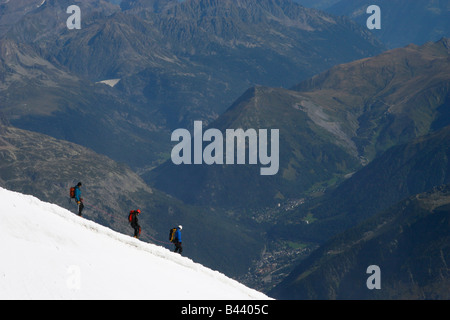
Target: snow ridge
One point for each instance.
(47, 252)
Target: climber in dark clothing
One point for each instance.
(134, 221)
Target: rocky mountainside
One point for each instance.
(409, 242)
(44, 97)
(13, 11)
(172, 63)
(330, 126)
(36, 21)
(402, 21)
(47, 168)
(400, 172)
(388, 99)
(299, 225)
(308, 154)
(234, 45)
(197, 55)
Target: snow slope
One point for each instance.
(47, 252)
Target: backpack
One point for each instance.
(172, 234)
(130, 216)
(72, 192)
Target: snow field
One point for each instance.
(47, 252)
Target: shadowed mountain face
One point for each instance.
(329, 126)
(400, 172)
(308, 154)
(402, 21)
(42, 97)
(409, 242)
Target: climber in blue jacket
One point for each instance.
(78, 198)
(177, 240)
